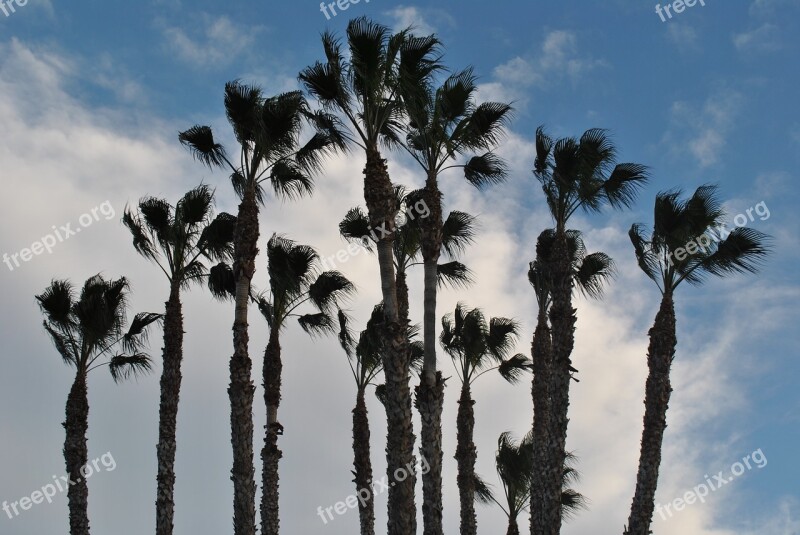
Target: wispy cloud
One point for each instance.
(761, 39)
(424, 21)
(702, 130)
(218, 41)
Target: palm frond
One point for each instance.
(200, 141)
(123, 367)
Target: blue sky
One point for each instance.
(92, 96)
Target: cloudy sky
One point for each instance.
(93, 94)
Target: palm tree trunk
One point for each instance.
(466, 454)
(242, 389)
(541, 354)
(562, 321)
(271, 455)
(430, 392)
(168, 411)
(657, 392)
(363, 466)
(381, 203)
(76, 455)
(513, 528)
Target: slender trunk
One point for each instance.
(271, 455)
(168, 411)
(513, 528)
(657, 392)
(430, 392)
(242, 389)
(363, 466)
(76, 455)
(401, 282)
(466, 454)
(562, 321)
(382, 206)
(541, 354)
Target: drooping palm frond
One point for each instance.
(317, 324)
(458, 231)
(123, 367)
(514, 368)
(454, 274)
(221, 281)
(328, 289)
(138, 331)
(200, 141)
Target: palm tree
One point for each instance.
(515, 470)
(679, 225)
(575, 174)
(589, 272)
(88, 332)
(294, 281)
(268, 133)
(368, 89)
(365, 358)
(458, 232)
(446, 123)
(176, 240)
(476, 348)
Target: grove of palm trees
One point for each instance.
(485, 249)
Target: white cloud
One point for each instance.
(218, 42)
(762, 39)
(557, 59)
(683, 35)
(702, 131)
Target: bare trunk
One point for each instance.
(657, 392)
(541, 354)
(466, 454)
(168, 411)
(430, 392)
(382, 206)
(242, 389)
(513, 528)
(562, 321)
(271, 455)
(76, 455)
(363, 466)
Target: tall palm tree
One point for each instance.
(177, 240)
(575, 174)
(458, 232)
(294, 282)
(268, 134)
(514, 463)
(88, 331)
(368, 89)
(589, 273)
(663, 258)
(446, 123)
(476, 348)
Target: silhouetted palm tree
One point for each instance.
(177, 240)
(294, 283)
(88, 330)
(476, 348)
(443, 125)
(368, 89)
(514, 463)
(664, 259)
(575, 174)
(268, 133)
(589, 272)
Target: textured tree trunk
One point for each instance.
(466, 454)
(513, 528)
(242, 389)
(76, 455)
(657, 392)
(363, 466)
(382, 206)
(271, 455)
(430, 392)
(541, 354)
(562, 321)
(168, 411)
